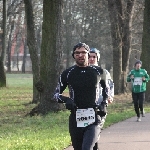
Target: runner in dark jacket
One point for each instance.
(84, 83)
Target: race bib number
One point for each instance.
(137, 81)
(85, 117)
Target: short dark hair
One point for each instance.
(79, 45)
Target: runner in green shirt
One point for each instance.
(138, 77)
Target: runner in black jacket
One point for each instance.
(84, 83)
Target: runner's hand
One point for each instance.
(110, 99)
(143, 78)
(101, 109)
(132, 77)
(70, 105)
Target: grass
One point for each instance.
(18, 132)
(50, 132)
(36, 133)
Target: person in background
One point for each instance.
(93, 61)
(138, 77)
(94, 56)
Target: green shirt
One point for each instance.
(138, 85)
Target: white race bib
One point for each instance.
(85, 117)
(137, 81)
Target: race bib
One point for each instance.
(85, 117)
(137, 81)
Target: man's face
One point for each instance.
(137, 66)
(93, 59)
(81, 56)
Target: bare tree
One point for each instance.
(9, 45)
(121, 14)
(146, 44)
(3, 53)
(32, 44)
(51, 53)
(24, 56)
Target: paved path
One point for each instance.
(126, 135)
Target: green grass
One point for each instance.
(19, 80)
(37, 133)
(50, 132)
(18, 132)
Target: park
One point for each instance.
(36, 42)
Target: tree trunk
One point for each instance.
(126, 41)
(3, 53)
(68, 29)
(31, 42)
(116, 42)
(24, 56)
(121, 22)
(2, 75)
(9, 46)
(9, 54)
(51, 53)
(146, 44)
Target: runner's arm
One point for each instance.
(146, 77)
(61, 86)
(108, 86)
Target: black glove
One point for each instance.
(101, 109)
(101, 113)
(70, 105)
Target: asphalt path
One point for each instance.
(126, 135)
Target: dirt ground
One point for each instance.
(123, 97)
